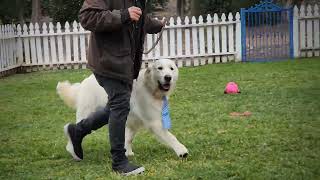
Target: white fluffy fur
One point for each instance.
(145, 103)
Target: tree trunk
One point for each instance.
(36, 11)
(195, 7)
(180, 7)
(20, 9)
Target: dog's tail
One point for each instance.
(68, 93)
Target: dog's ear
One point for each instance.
(148, 70)
(147, 73)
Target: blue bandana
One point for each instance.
(166, 121)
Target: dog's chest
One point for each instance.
(147, 108)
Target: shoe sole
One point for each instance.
(137, 171)
(69, 146)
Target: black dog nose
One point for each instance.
(167, 78)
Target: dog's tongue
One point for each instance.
(166, 86)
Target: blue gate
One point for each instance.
(266, 32)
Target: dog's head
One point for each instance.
(162, 76)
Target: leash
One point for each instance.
(157, 41)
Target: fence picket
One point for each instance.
(6, 54)
(38, 44)
(19, 45)
(46, 52)
(216, 37)
(53, 48)
(32, 45)
(316, 34)
(26, 45)
(202, 41)
(179, 42)
(2, 49)
(172, 38)
(195, 48)
(75, 42)
(230, 37)
(223, 38)
(7, 48)
(209, 38)
(296, 51)
(9, 44)
(82, 45)
(60, 44)
(187, 41)
(165, 48)
(238, 37)
(302, 31)
(68, 44)
(309, 32)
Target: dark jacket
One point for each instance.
(113, 51)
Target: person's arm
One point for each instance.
(153, 26)
(95, 16)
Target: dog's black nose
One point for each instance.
(167, 78)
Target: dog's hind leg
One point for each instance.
(169, 139)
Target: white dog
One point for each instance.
(145, 104)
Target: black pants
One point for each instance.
(115, 113)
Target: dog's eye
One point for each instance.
(171, 68)
(160, 68)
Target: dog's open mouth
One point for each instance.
(164, 86)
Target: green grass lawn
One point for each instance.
(281, 140)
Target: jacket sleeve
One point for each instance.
(96, 16)
(152, 26)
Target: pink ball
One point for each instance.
(232, 88)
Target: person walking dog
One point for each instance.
(115, 52)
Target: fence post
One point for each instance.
(230, 37)
(216, 28)
(195, 50)
(295, 29)
(187, 40)
(316, 31)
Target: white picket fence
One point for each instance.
(306, 31)
(189, 42)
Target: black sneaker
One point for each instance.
(129, 169)
(74, 142)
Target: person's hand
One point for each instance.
(163, 21)
(134, 13)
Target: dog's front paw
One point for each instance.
(129, 153)
(182, 151)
